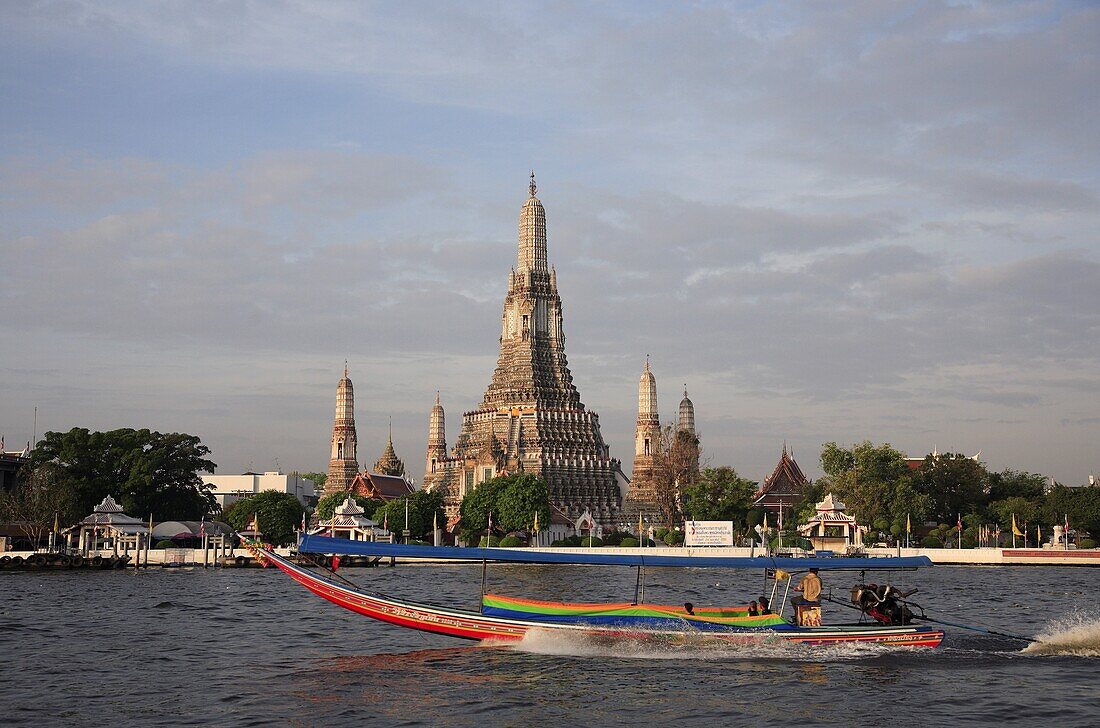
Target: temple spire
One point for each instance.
(532, 187)
(343, 464)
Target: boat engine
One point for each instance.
(885, 604)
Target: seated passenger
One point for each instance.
(764, 605)
(810, 586)
(689, 608)
(754, 609)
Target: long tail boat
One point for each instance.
(508, 619)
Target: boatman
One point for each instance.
(810, 586)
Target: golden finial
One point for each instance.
(532, 186)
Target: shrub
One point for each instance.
(1088, 543)
(628, 541)
(573, 541)
(931, 542)
(510, 542)
(674, 538)
(615, 538)
(592, 541)
(559, 543)
(165, 543)
(493, 541)
(660, 533)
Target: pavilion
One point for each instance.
(108, 526)
(831, 529)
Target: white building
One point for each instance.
(228, 489)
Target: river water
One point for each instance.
(250, 647)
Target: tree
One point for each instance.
(425, 508)
(327, 505)
(280, 515)
(675, 468)
(1016, 483)
(954, 483)
(147, 472)
(42, 494)
(513, 499)
(1024, 509)
(720, 494)
(1080, 505)
(865, 478)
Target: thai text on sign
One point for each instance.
(708, 533)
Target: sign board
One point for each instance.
(708, 533)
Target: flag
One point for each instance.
(202, 527)
(1015, 529)
(780, 518)
(640, 527)
(908, 524)
(386, 521)
(303, 521)
(435, 521)
(56, 523)
(765, 520)
(335, 562)
(1067, 523)
(960, 523)
(489, 528)
(536, 528)
(782, 574)
(1039, 532)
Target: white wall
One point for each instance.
(229, 488)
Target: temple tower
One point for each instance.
(437, 440)
(389, 463)
(687, 414)
(342, 464)
(647, 442)
(531, 418)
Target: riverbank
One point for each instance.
(240, 558)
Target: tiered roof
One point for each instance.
(784, 487)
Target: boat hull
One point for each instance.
(474, 626)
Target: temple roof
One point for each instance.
(378, 485)
(787, 478)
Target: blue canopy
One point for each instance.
(346, 547)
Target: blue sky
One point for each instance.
(833, 222)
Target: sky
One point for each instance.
(831, 221)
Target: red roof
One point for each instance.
(376, 485)
(784, 486)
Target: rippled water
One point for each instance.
(250, 647)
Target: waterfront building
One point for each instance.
(781, 490)
(342, 464)
(642, 494)
(531, 418)
(108, 527)
(348, 521)
(389, 463)
(831, 529)
(227, 489)
(380, 486)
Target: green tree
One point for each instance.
(866, 478)
(954, 484)
(1081, 505)
(424, 509)
(513, 499)
(1026, 510)
(42, 494)
(280, 515)
(147, 472)
(720, 494)
(328, 504)
(1016, 484)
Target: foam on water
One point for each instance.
(579, 644)
(1076, 634)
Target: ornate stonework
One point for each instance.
(531, 418)
(647, 441)
(342, 464)
(389, 463)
